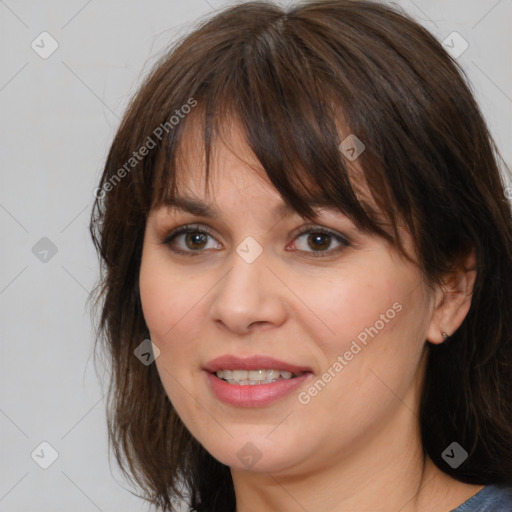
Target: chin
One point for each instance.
(256, 454)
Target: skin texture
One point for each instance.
(356, 444)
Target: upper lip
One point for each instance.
(232, 362)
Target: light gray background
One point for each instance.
(58, 118)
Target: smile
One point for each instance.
(253, 381)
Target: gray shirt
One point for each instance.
(492, 498)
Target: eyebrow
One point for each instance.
(199, 208)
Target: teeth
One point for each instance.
(273, 374)
(239, 374)
(257, 375)
(252, 377)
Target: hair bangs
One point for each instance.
(294, 130)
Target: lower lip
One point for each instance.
(256, 395)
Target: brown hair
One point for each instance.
(296, 79)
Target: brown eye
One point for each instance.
(195, 239)
(318, 242)
(188, 240)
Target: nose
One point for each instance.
(249, 297)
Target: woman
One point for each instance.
(307, 271)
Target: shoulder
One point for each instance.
(492, 498)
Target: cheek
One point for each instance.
(166, 297)
(375, 321)
(173, 305)
(354, 307)
(167, 315)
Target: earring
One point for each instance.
(444, 335)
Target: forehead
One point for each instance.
(231, 158)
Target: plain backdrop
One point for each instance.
(59, 113)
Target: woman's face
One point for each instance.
(263, 284)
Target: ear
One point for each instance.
(453, 300)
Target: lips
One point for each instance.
(258, 362)
(259, 394)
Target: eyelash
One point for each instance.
(309, 230)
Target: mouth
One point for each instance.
(254, 381)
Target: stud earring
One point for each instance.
(444, 335)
